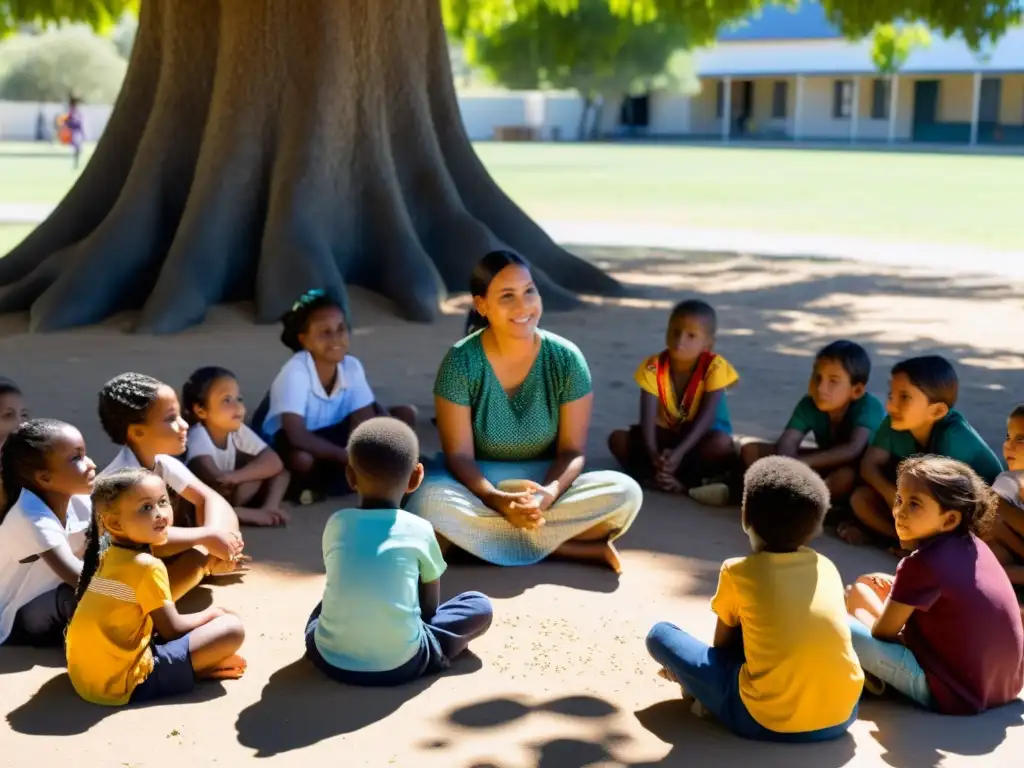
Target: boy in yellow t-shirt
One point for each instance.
(685, 434)
(782, 666)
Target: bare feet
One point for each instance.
(264, 518)
(600, 552)
(232, 668)
(667, 483)
(217, 567)
(711, 495)
(852, 533)
(873, 685)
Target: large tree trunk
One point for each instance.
(259, 149)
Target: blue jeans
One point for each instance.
(456, 623)
(711, 675)
(892, 663)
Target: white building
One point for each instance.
(791, 75)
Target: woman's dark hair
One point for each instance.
(932, 374)
(957, 487)
(8, 387)
(851, 356)
(296, 320)
(125, 400)
(106, 490)
(1018, 412)
(784, 502)
(483, 273)
(196, 391)
(23, 454)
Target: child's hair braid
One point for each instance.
(124, 401)
(23, 454)
(196, 391)
(295, 320)
(106, 490)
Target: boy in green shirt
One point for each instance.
(922, 393)
(840, 414)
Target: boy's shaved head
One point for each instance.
(384, 450)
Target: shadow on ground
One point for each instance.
(300, 707)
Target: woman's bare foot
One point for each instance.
(852, 533)
(667, 674)
(873, 685)
(262, 518)
(668, 484)
(711, 495)
(600, 552)
(232, 668)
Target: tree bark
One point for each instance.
(260, 149)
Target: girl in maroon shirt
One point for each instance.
(946, 631)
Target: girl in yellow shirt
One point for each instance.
(124, 594)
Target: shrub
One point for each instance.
(53, 65)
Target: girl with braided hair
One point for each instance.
(142, 415)
(46, 477)
(126, 642)
(320, 395)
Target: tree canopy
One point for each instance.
(590, 50)
(978, 21)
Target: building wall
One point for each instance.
(1012, 112)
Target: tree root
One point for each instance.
(258, 150)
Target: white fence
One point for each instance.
(556, 116)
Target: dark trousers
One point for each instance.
(456, 623)
(41, 622)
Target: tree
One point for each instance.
(601, 55)
(50, 66)
(259, 149)
(892, 45)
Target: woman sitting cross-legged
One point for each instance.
(513, 408)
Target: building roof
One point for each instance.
(838, 57)
(775, 22)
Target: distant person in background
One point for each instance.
(71, 129)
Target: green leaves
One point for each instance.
(590, 49)
(978, 21)
(101, 15)
(892, 45)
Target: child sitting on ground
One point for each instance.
(142, 415)
(226, 454)
(12, 408)
(685, 434)
(1007, 540)
(47, 477)
(837, 410)
(12, 413)
(922, 393)
(320, 395)
(114, 655)
(381, 621)
(782, 667)
(946, 630)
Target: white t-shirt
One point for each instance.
(1007, 485)
(177, 476)
(297, 389)
(243, 441)
(30, 528)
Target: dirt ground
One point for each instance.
(562, 680)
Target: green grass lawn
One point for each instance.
(940, 198)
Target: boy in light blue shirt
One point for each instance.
(380, 622)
